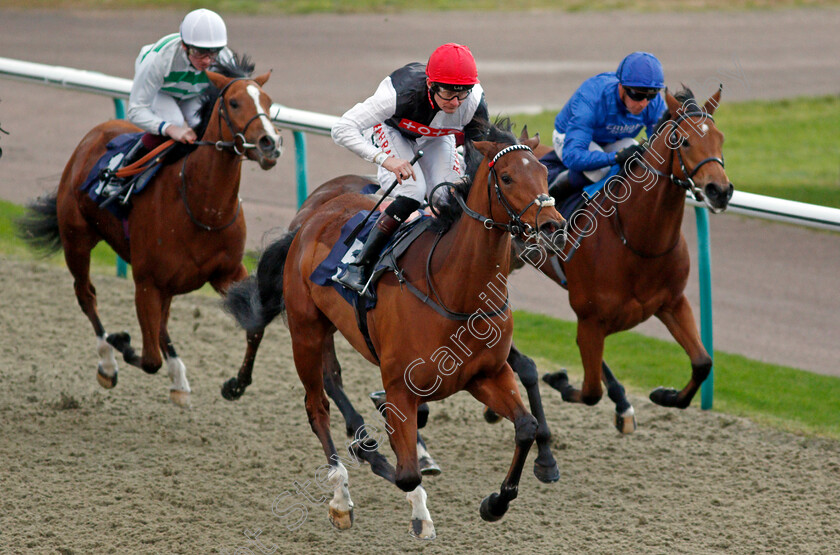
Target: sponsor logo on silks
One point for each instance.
(421, 129)
(627, 128)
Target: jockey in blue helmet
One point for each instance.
(597, 126)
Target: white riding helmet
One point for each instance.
(204, 29)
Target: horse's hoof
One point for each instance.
(486, 510)
(558, 380)
(108, 382)
(546, 474)
(664, 396)
(625, 422)
(180, 398)
(232, 390)
(422, 529)
(342, 520)
(428, 466)
(491, 416)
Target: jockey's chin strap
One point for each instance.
(239, 144)
(686, 182)
(515, 226)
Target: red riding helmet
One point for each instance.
(452, 64)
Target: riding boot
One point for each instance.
(356, 275)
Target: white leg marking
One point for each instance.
(338, 479)
(421, 521)
(106, 357)
(178, 375)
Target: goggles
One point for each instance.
(638, 95)
(197, 52)
(448, 95)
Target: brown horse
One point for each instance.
(465, 339)
(627, 260)
(186, 230)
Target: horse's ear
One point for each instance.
(713, 102)
(263, 78)
(218, 80)
(487, 148)
(533, 142)
(524, 134)
(673, 104)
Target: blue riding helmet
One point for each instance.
(641, 70)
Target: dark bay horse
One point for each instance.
(627, 260)
(185, 230)
(454, 267)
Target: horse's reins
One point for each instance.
(515, 227)
(220, 145)
(686, 182)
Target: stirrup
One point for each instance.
(354, 277)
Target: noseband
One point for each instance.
(686, 182)
(239, 144)
(515, 226)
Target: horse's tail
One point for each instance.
(254, 302)
(38, 227)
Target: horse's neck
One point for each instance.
(652, 219)
(474, 256)
(213, 176)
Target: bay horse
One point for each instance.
(453, 267)
(185, 230)
(627, 259)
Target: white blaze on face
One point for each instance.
(254, 93)
(704, 129)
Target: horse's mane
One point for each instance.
(446, 207)
(238, 67)
(686, 98)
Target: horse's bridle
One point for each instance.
(686, 182)
(238, 148)
(515, 226)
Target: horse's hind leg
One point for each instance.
(179, 389)
(679, 319)
(545, 467)
(590, 340)
(363, 446)
(77, 257)
(500, 393)
(428, 466)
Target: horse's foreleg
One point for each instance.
(625, 415)
(679, 319)
(307, 347)
(501, 394)
(363, 446)
(400, 411)
(545, 467)
(590, 340)
(179, 389)
(77, 258)
(147, 301)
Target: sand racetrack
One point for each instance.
(85, 470)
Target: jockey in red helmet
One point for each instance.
(417, 107)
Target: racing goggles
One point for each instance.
(197, 52)
(448, 95)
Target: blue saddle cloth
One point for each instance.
(341, 255)
(100, 175)
(575, 200)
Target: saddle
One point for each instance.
(107, 185)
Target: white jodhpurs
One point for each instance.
(593, 175)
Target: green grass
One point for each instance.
(786, 148)
(394, 6)
(788, 398)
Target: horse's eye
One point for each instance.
(685, 143)
(506, 179)
(234, 103)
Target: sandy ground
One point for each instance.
(85, 470)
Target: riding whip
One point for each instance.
(361, 226)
